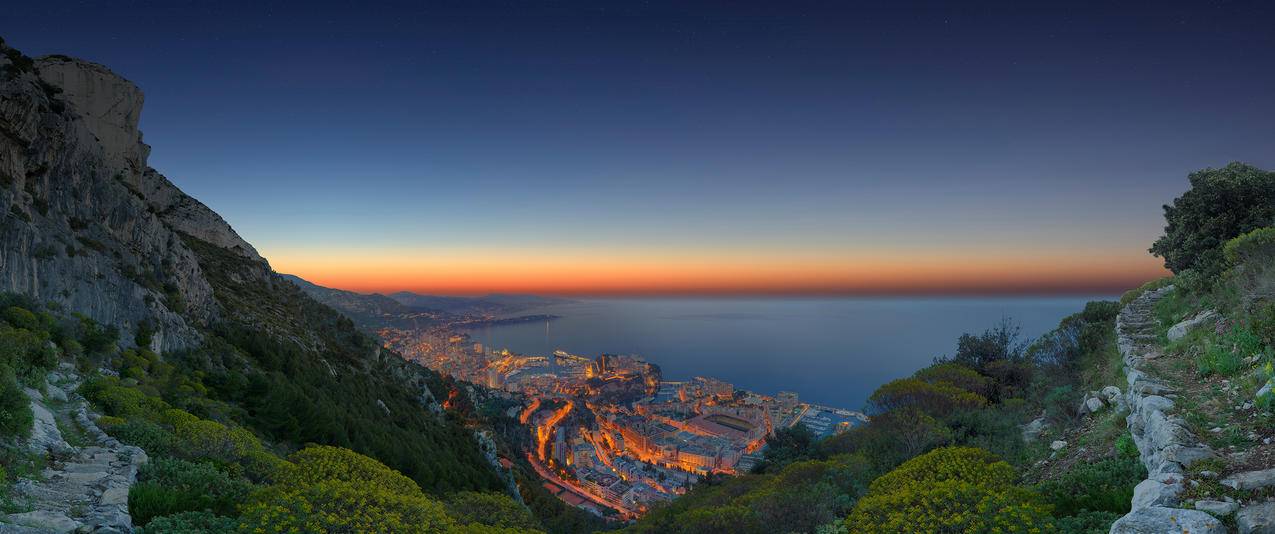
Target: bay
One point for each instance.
(832, 351)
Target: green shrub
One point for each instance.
(491, 509)
(151, 437)
(1093, 522)
(1255, 246)
(938, 398)
(328, 489)
(1263, 324)
(953, 489)
(168, 486)
(1126, 447)
(15, 408)
(1105, 486)
(191, 523)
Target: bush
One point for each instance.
(168, 486)
(491, 509)
(319, 463)
(1256, 246)
(1087, 523)
(954, 489)
(191, 523)
(1126, 447)
(933, 398)
(336, 506)
(1103, 486)
(1221, 204)
(957, 375)
(152, 438)
(330, 489)
(15, 409)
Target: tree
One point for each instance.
(998, 343)
(1221, 204)
(938, 398)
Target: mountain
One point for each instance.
(369, 311)
(173, 339)
(487, 305)
(410, 311)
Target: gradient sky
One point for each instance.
(630, 147)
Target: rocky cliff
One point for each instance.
(84, 221)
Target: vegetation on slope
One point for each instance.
(953, 426)
(944, 450)
(211, 473)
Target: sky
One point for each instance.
(684, 147)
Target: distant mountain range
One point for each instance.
(405, 309)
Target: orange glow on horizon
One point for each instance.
(722, 273)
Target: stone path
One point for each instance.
(1165, 444)
(83, 489)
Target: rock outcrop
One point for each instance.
(1180, 330)
(84, 222)
(1165, 444)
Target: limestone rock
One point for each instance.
(56, 393)
(45, 520)
(1178, 331)
(1162, 520)
(1217, 508)
(1111, 393)
(1033, 430)
(1256, 519)
(1152, 492)
(1250, 480)
(1094, 405)
(1058, 445)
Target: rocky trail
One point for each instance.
(84, 487)
(1171, 449)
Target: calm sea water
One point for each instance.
(833, 351)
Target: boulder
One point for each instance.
(1217, 508)
(1057, 445)
(1111, 393)
(1034, 429)
(1250, 480)
(1256, 518)
(1178, 331)
(1094, 405)
(1152, 493)
(56, 393)
(1162, 520)
(45, 520)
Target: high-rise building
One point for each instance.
(494, 379)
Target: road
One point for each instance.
(546, 474)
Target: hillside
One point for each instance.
(183, 342)
(1148, 415)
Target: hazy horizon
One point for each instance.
(677, 148)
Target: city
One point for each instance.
(610, 434)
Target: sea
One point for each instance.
(831, 351)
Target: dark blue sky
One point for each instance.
(824, 132)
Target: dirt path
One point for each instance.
(85, 486)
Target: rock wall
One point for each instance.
(84, 222)
(1165, 445)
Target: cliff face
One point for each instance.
(84, 222)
